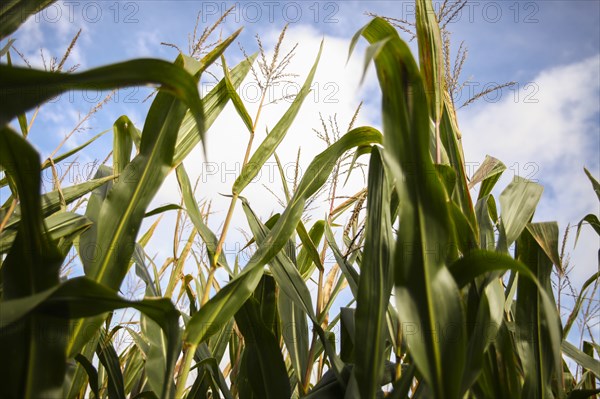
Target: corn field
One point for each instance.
(450, 289)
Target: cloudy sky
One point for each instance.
(545, 128)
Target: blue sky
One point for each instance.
(546, 127)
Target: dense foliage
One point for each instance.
(444, 307)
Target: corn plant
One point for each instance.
(451, 295)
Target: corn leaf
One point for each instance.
(427, 297)
(25, 88)
(375, 284)
(487, 174)
(583, 359)
(546, 236)
(46, 164)
(449, 136)
(579, 302)
(518, 202)
(14, 13)
(31, 266)
(121, 213)
(276, 135)
(221, 308)
(235, 98)
(81, 297)
(91, 372)
(595, 183)
(64, 225)
(214, 102)
(191, 206)
(533, 336)
(110, 360)
(123, 133)
(295, 335)
(304, 258)
(262, 366)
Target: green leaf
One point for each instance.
(209, 365)
(592, 220)
(46, 164)
(63, 225)
(91, 371)
(235, 98)
(579, 302)
(87, 242)
(38, 267)
(487, 323)
(218, 343)
(123, 133)
(80, 377)
(430, 56)
(141, 270)
(427, 298)
(156, 361)
(375, 284)
(583, 359)
(537, 318)
(346, 266)
(133, 370)
(518, 202)
(347, 334)
(284, 182)
(221, 308)
(287, 276)
(110, 360)
(15, 13)
(546, 236)
(486, 229)
(447, 176)
(327, 387)
(262, 363)
(583, 393)
(31, 266)
(155, 349)
(81, 297)
(214, 102)
(479, 262)
(25, 88)
(191, 206)
(487, 174)
(295, 335)
(304, 258)
(533, 338)
(6, 48)
(276, 135)
(595, 183)
(450, 139)
(309, 246)
(51, 201)
(362, 150)
(162, 209)
(124, 208)
(403, 385)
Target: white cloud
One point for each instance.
(549, 139)
(144, 44)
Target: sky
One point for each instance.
(545, 128)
